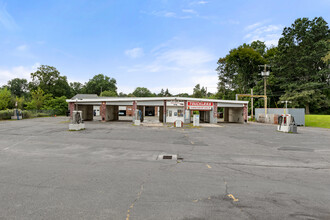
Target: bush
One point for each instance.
(27, 114)
(58, 105)
(6, 114)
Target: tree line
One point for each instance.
(48, 90)
(299, 68)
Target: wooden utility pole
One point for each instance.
(252, 96)
(251, 104)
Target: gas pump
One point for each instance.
(286, 124)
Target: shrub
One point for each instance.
(6, 114)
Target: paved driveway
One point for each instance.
(111, 171)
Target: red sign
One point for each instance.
(200, 105)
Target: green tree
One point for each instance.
(142, 92)
(162, 93)
(38, 98)
(18, 87)
(48, 79)
(100, 83)
(5, 98)
(58, 104)
(76, 88)
(167, 93)
(239, 70)
(109, 94)
(20, 102)
(300, 69)
(183, 95)
(199, 92)
(121, 94)
(259, 46)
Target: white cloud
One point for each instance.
(22, 47)
(253, 26)
(135, 52)
(191, 11)
(267, 33)
(168, 14)
(179, 70)
(17, 72)
(6, 20)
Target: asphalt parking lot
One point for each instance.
(111, 171)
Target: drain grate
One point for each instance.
(169, 157)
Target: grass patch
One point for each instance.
(321, 121)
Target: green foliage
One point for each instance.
(109, 94)
(121, 94)
(165, 93)
(76, 88)
(6, 114)
(58, 105)
(18, 87)
(100, 82)
(20, 102)
(299, 66)
(38, 98)
(199, 92)
(48, 79)
(259, 46)
(239, 70)
(5, 98)
(142, 92)
(183, 95)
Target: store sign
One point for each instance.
(200, 105)
(173, 103)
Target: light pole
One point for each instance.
(265, 74)
(286, 105)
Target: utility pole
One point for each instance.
(251, 104)
(265, 74)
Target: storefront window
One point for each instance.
(170, 113)
(180, 113)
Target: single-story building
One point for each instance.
(168, 109)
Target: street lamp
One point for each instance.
(265, 74)
(286, 105)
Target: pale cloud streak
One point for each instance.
(179, 69)
(134, 53)
(23, 47)
(169, 14)
(6, 20)
(7, 74)
(267, 33)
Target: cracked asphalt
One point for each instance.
(111, 171)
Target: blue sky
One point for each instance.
(151, 43)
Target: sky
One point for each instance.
(156, 44)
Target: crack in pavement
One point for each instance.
(137, 197)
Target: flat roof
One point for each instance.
(150, 99)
